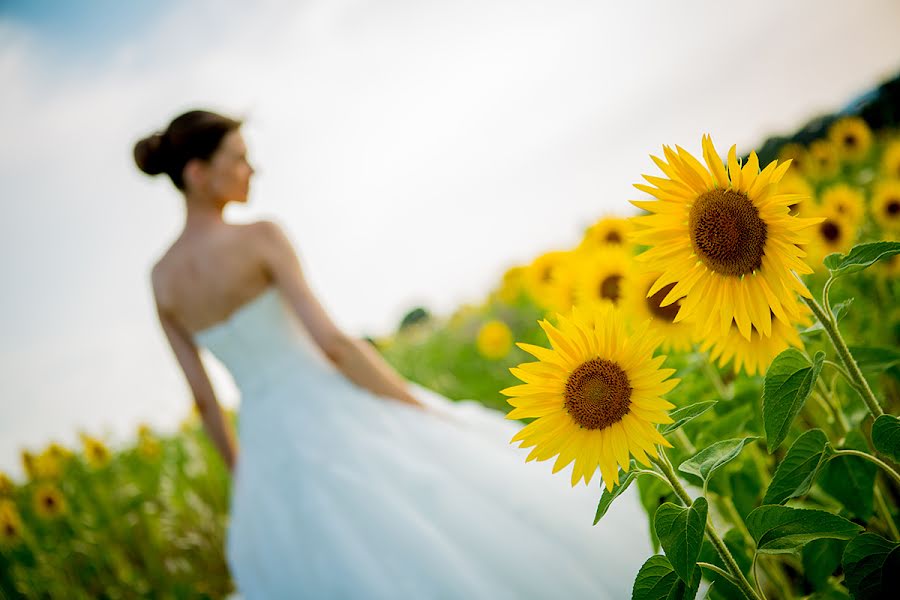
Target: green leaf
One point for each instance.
(781, 530)
(871, 567)
(839, 310)
(820, 560)
(796, 473)
(874, 358)
(714, 456)
(860, 257)
(789, 381)
(606, 499)
(685, 414)
(851, 479)
(886, 436)
(658, 581)
(680, 531)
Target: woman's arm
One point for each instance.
(355, 358)
(188, 357)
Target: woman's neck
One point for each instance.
(203, 212)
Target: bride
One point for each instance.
(349, 481)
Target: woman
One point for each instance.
(351, 482)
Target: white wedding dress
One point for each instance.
(340, 493)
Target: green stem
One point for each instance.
(718, 570)
(716, 378)
(666, 467)
(885, 511)
(684, 441)
(887, 468)
(844, 353)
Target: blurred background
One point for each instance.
(414, 150)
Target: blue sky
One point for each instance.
(480, 133)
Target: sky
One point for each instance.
(412, 149)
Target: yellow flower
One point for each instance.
(756, 354)
(6, 485)
(148, 445)
(28, 460)
(852, 137)
(890, 160)
(725, 239)
(10, 523)
(824, 162)
(59, 452)
(49, 503)
(95, 451)
(794, 184)
(601, 276)
(595, 396)
(512, 285)
(607, 231)
(46, 465)
(494, 340)
(833, 234)
(797, 154)
(549, 280)
(639, 306)
(845, 202)
(886, 205)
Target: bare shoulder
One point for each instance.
(269, 237)
(160, 281)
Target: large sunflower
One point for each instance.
(595, 396)
(852, 137)
(756, 354)
(640, 306)
(725, 239)
(844, 201)
(886, 205)
(607, 231)
(824, 159)
(890, 160)
(601, 275)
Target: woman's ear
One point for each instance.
(194, 173)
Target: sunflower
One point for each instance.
(48, 501)
(725, 239)
(890, 160)
(756, 354)
(95, 451)
(46, 465)
(607, 231)
(28, 460)
(6, 485)
(798, 156)
(59, 452)
(796, 185)
(494, 340)
(845, 202)
(640, 306)
(852, 137)
(595, 396)
(10, 523)
(549, 280)
(886, 205)
(148, 444)
(833, 234)
(601, 275)
(824, 160)
(511, 285)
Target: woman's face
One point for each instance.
(227, 175)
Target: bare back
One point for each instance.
(206, 275)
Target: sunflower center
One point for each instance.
(830, 230)
(546, 274)
(850, 140)
(727, 233)
(893, 207)
(597, 394)
(49, 501)
(609, 288)
(613, 237)
(667, 313)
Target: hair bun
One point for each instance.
(149, 154)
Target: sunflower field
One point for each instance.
(731, 349)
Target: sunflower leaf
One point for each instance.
(871, 567)
(685, 414)
(714, 456)
(657, 580)
(860, 257)
(851, 479)
(782, 530)
(680, 530)
(796, 473)
(606, 499)
(875, 358)
(789, 381)
(886, 436)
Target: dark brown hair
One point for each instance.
(194, 134)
